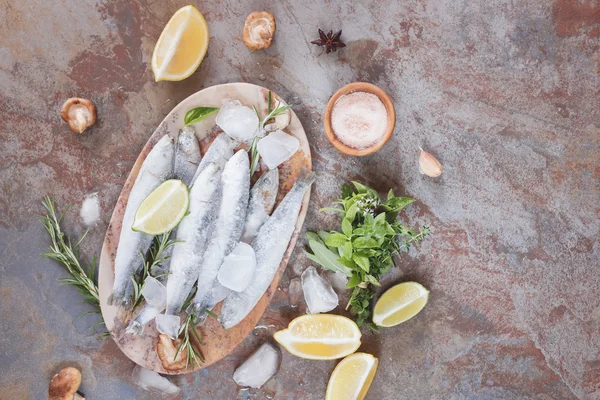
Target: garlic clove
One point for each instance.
(429, 165)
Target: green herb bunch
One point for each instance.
(363, 249)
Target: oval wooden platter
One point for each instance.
(219, 342)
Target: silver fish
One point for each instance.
(219, 152)
(187, 158)
(193, 233)
(187, 155)
(227, 227)
(157, 167)
(269, 245)
(262, 200)
(261, 203)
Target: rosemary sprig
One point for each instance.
(186, 344)
(254, 156)
(155, 258)
(271, 113)
(67, 254)
(274, 112)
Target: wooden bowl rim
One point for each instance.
(391, 118)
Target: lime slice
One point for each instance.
(400, 303)
(163, 209)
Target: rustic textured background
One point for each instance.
(504, 93)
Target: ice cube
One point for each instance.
(90, 209)
(154, 292)
(238, 121)
(150, 380)
(168, 324)
(259, 367)
(238, 268)
(294, 291)
(338, 280)
(277, 147)
(318, 293)
(217, 294)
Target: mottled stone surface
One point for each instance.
(504, 93)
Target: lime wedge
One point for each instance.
(163, 209)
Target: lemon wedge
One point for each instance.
(352, 377)
(181, 46)
(400, 303)
(163, 209)
(320, 337)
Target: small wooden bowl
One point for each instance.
(391, 118)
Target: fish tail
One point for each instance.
(199, 317)
(134, 328)
(112, 300)
(198, 311)
(306, 177)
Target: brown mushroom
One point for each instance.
(80, 114)
(166, 349)
(64, 385)
(259, 30)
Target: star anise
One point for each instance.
(330, 41)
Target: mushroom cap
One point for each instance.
(79, 113)
(64, 385)
(166, 349)
(259, 30)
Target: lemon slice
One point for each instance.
(162, 210)
(320, 337)
(400, 303)
(181, 46)
(352, 377)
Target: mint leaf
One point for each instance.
(372, 280)
(347, 250)
(397, 203)
(198, 114)
(351, 213)
(353, 282)
(347, 191)
(347, 227)
(361, 261)
(365, 243)
(348, 263)
(390, 194)
(336, 239)
(360, 187)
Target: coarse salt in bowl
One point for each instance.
(359, 119)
